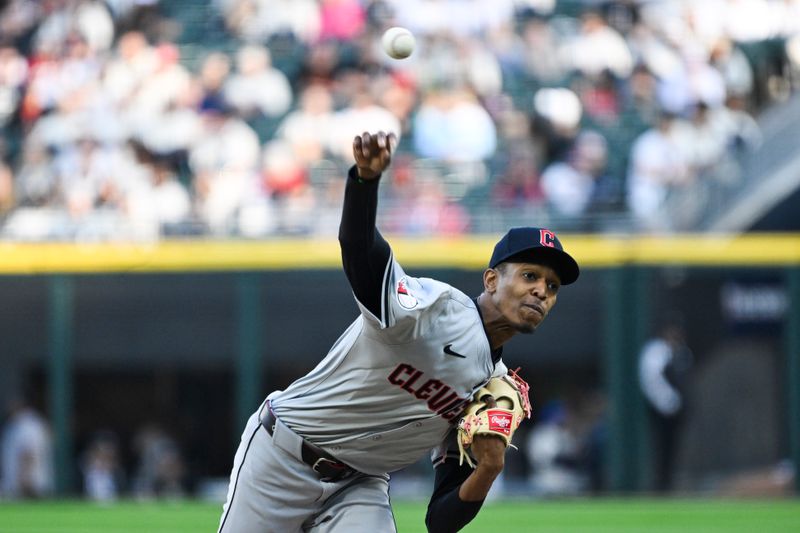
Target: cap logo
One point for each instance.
(547, 238)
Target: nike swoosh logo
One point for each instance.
(448, 350)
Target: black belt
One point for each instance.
(320, 462)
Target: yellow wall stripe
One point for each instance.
(591, 251)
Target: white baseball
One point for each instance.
(398, 42)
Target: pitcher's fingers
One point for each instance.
(358, 151)
(489, 400)
(366, 147)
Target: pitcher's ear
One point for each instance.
(490, 279)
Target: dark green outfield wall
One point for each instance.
(199, 351)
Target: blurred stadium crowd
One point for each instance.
(136, 119)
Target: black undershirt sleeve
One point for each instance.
(447, 513)
(365, 253)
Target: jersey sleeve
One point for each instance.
(386, 296)
(407, 301)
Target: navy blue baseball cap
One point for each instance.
(535, 245)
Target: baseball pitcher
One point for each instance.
(419, 371)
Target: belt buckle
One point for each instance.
(330, 470)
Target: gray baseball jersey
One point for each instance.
(390, 387)
(316, 456)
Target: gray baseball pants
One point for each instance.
(273, 491)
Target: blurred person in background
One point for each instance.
(104, 69)
(519, 184)
(13, 75)
(26, 448)
(257, 88)
(597, 47)
(103, 477)
(554, 451)
(341, 20)
(158, 204)
(284, 179)
(658, 165)
(309, 127)
(7, 197)
(541, 52)
(571, 186)
(665, 362)
(360, 114)
(224, 162)
(452, 125)
(160, 469)
(424, 208)
(258, 20)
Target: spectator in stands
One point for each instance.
(161, 205)
(557, 114)
(133, 61)
(742, 132)
(640, 94)
(285, 180)
(420, 206)
(63, 78)
(658, 166)
(695, 83)
(258, 20)
(597, 47)
(257, 87)
(398, 94)
(469, 17)
(599, 97)
(519, 185)
(224, 163)
(452, 125)
(732, 64)
(309, 128)
(18, 19)
(702, 139)
(35, 181)
(213, 75)
(86, 176)
(165, 85)
(362, 114)
(13, 74)
(341, 20)
(541, 56)
(571, 185)
(6, 189)
(26, 467)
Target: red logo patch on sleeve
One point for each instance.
(500, 421)
(404, 296)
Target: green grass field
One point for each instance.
(601, 516)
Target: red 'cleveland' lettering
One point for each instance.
(443, 401)
(547, 238)
(438, 405)
(427, 388)
(394, 377)
(410, 381)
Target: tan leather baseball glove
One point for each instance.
(496, 409)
